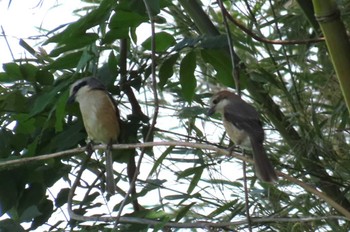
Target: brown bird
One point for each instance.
(100, 116)
(243, 126)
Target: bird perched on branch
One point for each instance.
(100, 116)
(243, 126)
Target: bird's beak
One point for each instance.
(71, 99)
(211, 111)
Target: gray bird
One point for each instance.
(243, 126)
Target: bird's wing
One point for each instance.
(246, 118)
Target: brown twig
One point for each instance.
(155, 115)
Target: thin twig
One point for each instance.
(235, 71)
(75, 184)
(246, 196)
(7, 43)
(264, 40)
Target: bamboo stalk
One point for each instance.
(337, 41)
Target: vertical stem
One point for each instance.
(328, 16)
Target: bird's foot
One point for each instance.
(231, 149)
(89, 147)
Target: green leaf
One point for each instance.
(28, 72)
(163, 41)
(214, 42)
(189, 171)
(126, 19)
(44, 77)
(113, 64)
(46, 209)
(62, 197)
(183, 211)
(223, 208)
(60, 111)
(27, 47)
(95, 17)
(221, 65)
(188, 80)
(191, 112)
(166, 70)
(8, 192)
(151, 185)
(84, 60)
(13, 71)
(187, 42)
(31, 197)
(9, 225)
(114, 34)
(29, 213)
(25, 124)
(160, 160)
(65, 62)
(6, 149)
(76, 42)
(154, 6)
(45, 99)
(196, 177)
(68, 138)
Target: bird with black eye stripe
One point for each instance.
(100, 116)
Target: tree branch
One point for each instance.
(13, 163)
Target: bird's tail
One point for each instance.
(263, 167)
(109, 172)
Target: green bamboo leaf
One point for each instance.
(113, 63)
(114, 34)
(223, 208)
(13, 72)
(163, 41)
(42, 101)
(183, 211)
(189, 171)
(126, 19)
(65, 62)
(166, 70)
(194, 182)
(60, 111)
(160, 160)
(27, 47)
(62, 197)
(188, 80)
(95, 17)
(29, 72)
(11, 225)
(219, 61)
(75, 43)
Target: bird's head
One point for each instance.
(82, 86)
(219, 101)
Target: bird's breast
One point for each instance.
(99, 116)
(239, 137)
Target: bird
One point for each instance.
(243, 126)
(101, 118)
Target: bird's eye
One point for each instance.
(215, 101)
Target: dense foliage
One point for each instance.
(284, 70)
